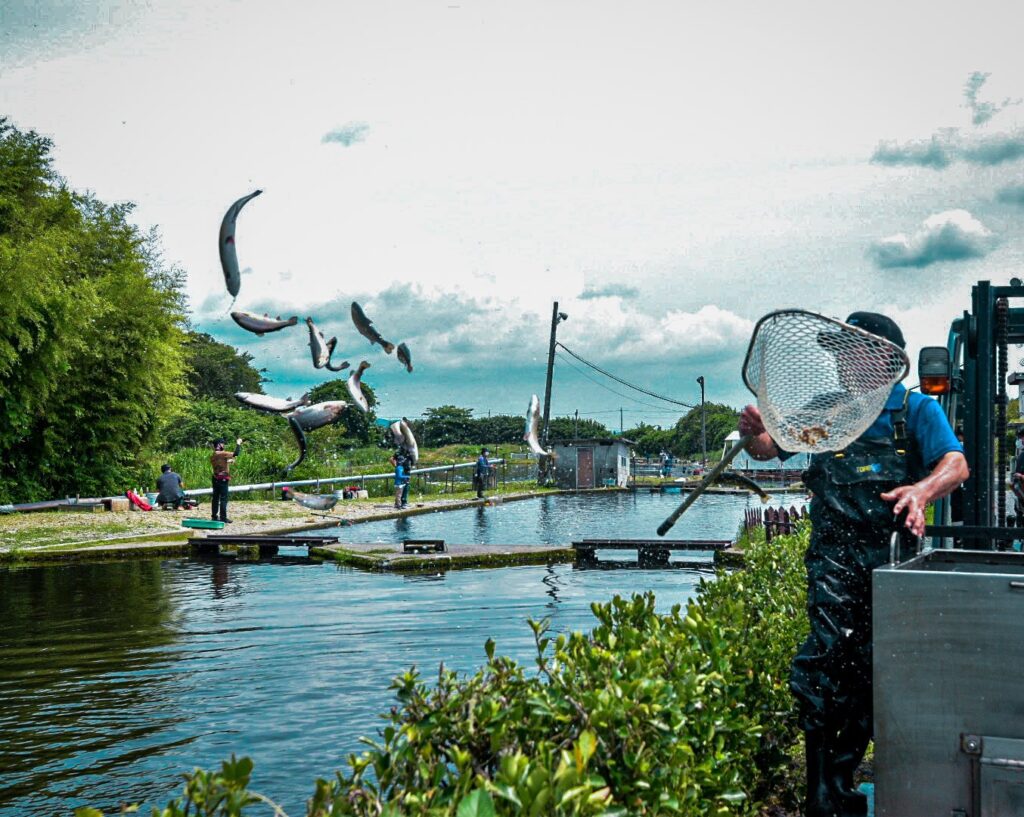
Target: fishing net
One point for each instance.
(819, 383)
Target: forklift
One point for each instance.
(969, 377)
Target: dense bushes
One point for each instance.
(684, 713)
(90, 333)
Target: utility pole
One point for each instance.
(703, 427)
(576, 427)
(556, 318)
(621, 428)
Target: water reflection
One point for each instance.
(118, 677)
(82, 678)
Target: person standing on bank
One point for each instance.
(481, 473)
(908, 458)
(401, 479)
(221, 461)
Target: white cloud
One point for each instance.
(954, 235)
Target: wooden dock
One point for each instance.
(650, 552)
(266, 545)
(436, 554)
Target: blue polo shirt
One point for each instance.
(926, 423)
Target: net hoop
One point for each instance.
(819, 383)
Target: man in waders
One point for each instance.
(908, 458)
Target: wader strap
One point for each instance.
(899, 423)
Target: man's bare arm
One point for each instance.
(947, 475)
(761, 446)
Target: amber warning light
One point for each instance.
(933, 369)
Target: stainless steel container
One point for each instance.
(949, 685)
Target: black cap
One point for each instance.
(877, 324)
(219, 441)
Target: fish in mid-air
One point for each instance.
(396, 432)
(355, 387)
(321, 349)
(264, 402)
(409, 442)
(404, 357)
(315, 502)
(300, 439)
(367, 330)
(531, 431)
(261, 324)
(226, 244)
(318, 415)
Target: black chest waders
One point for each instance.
(853, 531)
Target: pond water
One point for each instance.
(118, 677)
(564, 518)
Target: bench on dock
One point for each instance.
(267, 544)
(423, 546)
(649, 551)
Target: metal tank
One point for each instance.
(949, 685)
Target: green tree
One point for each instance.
(90, 332)
(499, 428)
(218, 370)
(649, 441)
(720, 420)
(354, 425)
(204, 420)
(445, 425)
(568, 428)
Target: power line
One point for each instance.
(603, 386)
(618, 379)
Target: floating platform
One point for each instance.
(650, 552)
(386, 556)
(265, 545)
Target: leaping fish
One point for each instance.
(265, 402)
(531, 431)
(404, 357)
(300, 439)
(409, 441)
(260, 325)
(318, 415)
(226, 244)
(367, 330)
(315, 502)
(396, 432)
(321, 349)
(355, 387)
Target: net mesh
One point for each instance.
(819, 383)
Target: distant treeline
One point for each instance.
(447, 425)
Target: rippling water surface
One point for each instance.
(117, 677)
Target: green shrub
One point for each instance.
(685, 713)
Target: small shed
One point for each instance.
(591, 463)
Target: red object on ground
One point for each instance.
(138, 501)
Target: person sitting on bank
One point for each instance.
(221, 461)
(169, 487)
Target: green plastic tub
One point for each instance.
(208, 524)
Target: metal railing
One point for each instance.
(351, 479)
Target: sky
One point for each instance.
(667, 172)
